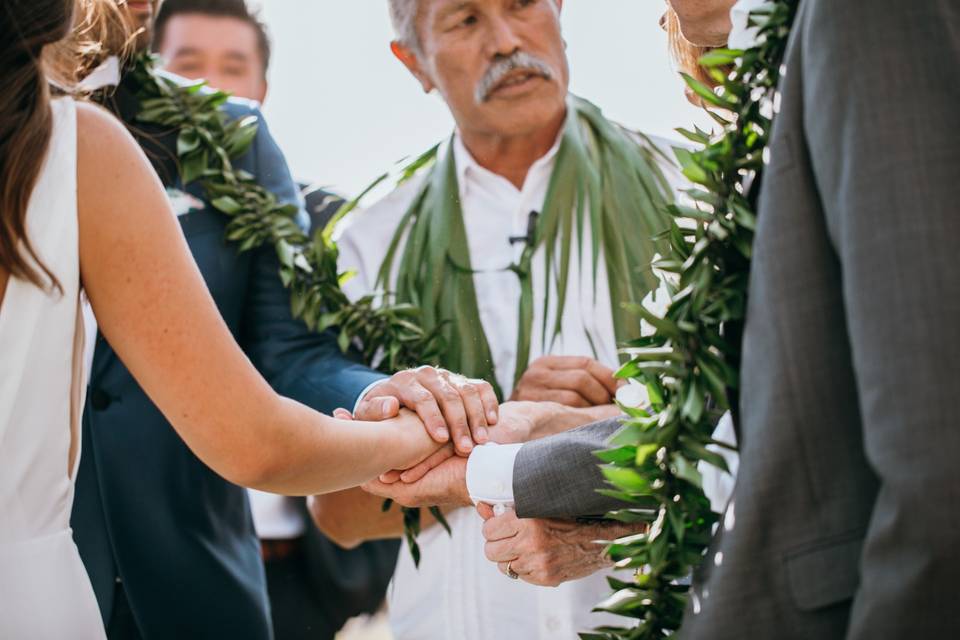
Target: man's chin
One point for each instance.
(521, 117)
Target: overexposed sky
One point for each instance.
(344, 110)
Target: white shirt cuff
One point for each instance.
(363, 394)
(490, 473)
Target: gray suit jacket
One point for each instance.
(844, 523)
(558, 477)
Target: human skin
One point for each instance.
(223, 50)
(704, 23)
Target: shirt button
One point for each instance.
(99, 400)
(553, 623)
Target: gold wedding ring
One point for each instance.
(513, 575)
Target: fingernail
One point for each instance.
(482, 433)
(492, 417)
(385, 405)
(443, 434)
(466, 444)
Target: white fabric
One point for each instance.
(717, 484)
(106, 75)
(490, 473)
(742, 35)
(275, 517)
(44, 589)
(457, 592)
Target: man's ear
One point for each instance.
(411, 61)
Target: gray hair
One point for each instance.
(504, 66)
(403, 15)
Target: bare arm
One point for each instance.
(353, 517)
(442, 478)
(154, 308)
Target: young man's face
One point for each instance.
(222, 50)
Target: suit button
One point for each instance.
(99, 400)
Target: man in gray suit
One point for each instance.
(843, 524)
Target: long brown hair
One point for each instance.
(26, 27)
(41, 41)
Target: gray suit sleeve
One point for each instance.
(558, 477)
(882, 103)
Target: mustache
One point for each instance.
(502, 67)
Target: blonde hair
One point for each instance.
(99, 32)
(686, 55)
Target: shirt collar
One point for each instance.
(468, 167)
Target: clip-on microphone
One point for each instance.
(531, 231)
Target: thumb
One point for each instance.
(377, 409)
(342, 414)
(485, 510)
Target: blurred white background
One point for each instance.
(344, 110)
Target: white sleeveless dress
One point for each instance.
(44, 589)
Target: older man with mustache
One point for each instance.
(519, 244)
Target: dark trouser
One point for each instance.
(122, 625)
(296, 611)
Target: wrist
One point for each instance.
(402, 446)
(546, 419)
(462, 495)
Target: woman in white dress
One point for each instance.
(82, 210)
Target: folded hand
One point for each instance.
(573, 381)
(547, 552)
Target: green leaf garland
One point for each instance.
(688, 364)
(388, 335)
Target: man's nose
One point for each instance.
(503, 39)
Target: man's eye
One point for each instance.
(469, 21)
(525, 3)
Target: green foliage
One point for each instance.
(388, 335)
(687, 364)
(605, 180)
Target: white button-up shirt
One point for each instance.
(457, 592)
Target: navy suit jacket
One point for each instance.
(147, 512)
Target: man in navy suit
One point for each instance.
(169, 545)
(314, 585)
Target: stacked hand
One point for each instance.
(441, 480)
(449, 407)
(453, 408)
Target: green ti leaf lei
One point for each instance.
(389, 336)
(691, 362)
(606, 184)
